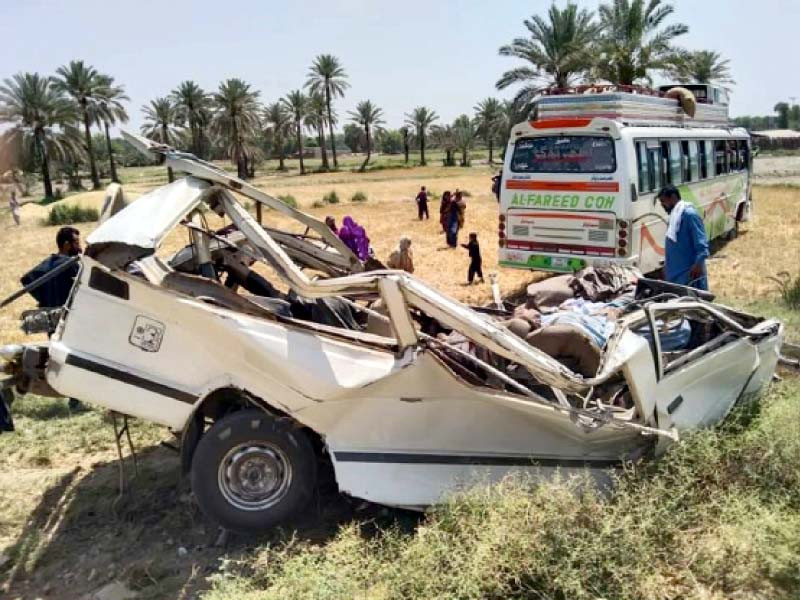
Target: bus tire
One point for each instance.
(251, 472)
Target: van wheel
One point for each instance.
(251, 472)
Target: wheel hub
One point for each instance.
(254, 475)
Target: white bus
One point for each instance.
(581, 191)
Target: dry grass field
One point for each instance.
(62, 536)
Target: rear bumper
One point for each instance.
(559, 263)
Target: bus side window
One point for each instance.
(641, 163)
(746, 155)
(694, 163)
(721, 157)
(664, 162)
(708, 145)
(686, 161)
(732, 155)
(701, 159)
(675, 163)
(654, 166)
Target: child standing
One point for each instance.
(474, 258)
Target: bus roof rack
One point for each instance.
(636, 105)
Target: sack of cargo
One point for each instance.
(569, 345)
(549, 293)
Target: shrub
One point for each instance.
(68, 214)
(466, 194)
(359, 197)
(288, 200)
(318, 204)
(331, 198)
(788, 288)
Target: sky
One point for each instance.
(438, 53)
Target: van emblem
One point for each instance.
(147, 334)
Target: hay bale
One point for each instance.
(685, 98)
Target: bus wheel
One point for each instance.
(251, 472)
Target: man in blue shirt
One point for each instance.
(55, 292)
(686, 241)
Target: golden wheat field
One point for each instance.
(739, 271)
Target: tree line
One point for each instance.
(786, 116)
(625, 43)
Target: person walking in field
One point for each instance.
(686, 246)
(422, 203)
(401, 257)
(475, 260)
(455, 219)
(444, 210)
(13, 204)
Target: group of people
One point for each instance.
(452, 209)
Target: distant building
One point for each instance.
(777, 134)
(776, 139)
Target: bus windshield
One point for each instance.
(564, 154)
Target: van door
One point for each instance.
(700, 388)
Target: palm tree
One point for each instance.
(278, 122)
(109, 111)
(326, 73)
(558, 51)
(236, 120)
(296, 102)
(41, 119)
(160, 121)
(465, 134)
(83, 84)
(702, 66)
(316, 118)
(421, 119)
(404, 131)
(370, 117)
(193, 107)
(634, 40)
(489, 119)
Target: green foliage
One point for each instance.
(318, 204)
(390, 141)
(359, 196)
(331, 198)
(558, 51)
(717, 517)
(288, 200)
(789, 289)
(69, 214)
(701, 66)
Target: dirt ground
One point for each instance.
(772, 170)
(64, 534)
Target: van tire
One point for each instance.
(251, 471)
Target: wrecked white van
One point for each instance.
(270, 392)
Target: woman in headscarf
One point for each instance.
(455, 219)
(402, 258)
(355, 238)
(444, 210)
